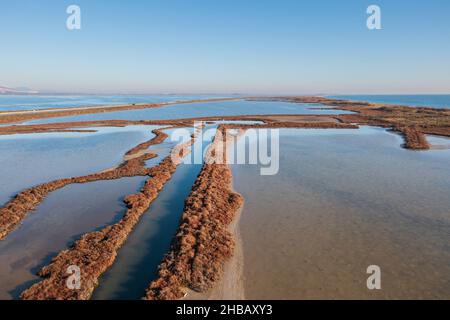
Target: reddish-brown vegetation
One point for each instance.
(203, 242)
(71, 126)
(414, 138)
(411, 122)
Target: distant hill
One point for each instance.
(5, 90)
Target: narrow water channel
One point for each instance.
(137, 262)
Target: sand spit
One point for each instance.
(160, 137)
(411, 122)
(95, 252)
(72, 126)
(18, 116)
(231, 286)
(13, 212)
(203, 242)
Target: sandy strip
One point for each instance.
(232, 284)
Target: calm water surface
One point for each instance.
(344, 200)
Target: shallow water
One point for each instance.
(55, 224)
(204, 109)
(31, 159)
(344, 200)
(438, 142)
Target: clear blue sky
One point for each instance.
(226, 46)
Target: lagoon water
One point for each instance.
(30, 159)
(342, 201)
(203, 109)
(55, 224)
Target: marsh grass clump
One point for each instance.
(203, 242)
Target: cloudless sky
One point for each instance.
(226, 46)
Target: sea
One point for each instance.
(433, 100)
(35, 102)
